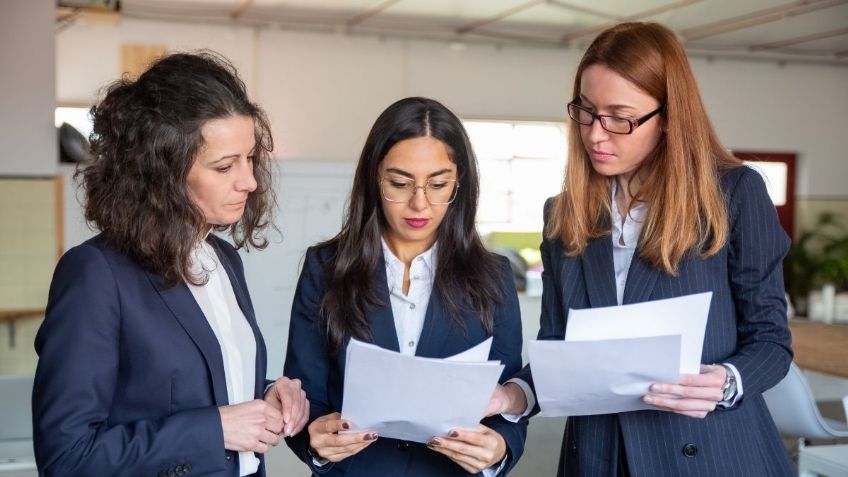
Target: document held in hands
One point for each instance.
(414, 398)
(610, 356)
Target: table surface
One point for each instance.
(820, 346)
(831, 461)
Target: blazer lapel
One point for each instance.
(381, 320)
(182, 304)
(640, 280)
(599, 272)
(243, 299)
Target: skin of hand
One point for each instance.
(473, 450)
(326, 441)
(251, 426)
(507, 399)
(287, 396)
(695, 396)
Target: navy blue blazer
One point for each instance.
(747, 327)
(323, 375)
(130, 374)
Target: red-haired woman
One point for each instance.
(654, 207)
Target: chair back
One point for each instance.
(795, 412)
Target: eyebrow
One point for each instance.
(615, 107)
(402, 172)
(223, 158)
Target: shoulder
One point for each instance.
(95, 252)
(741, 180)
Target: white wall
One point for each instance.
(323, 91)
(27, 136)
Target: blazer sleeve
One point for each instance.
(307, 358)
(506, 347)
(552, 320)
(78, 369)
(757, 246)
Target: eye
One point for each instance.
(399, 184)
(438, 185)
(224, 169)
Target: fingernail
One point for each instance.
(434, 442)
(345, 425)
(453, 434)
(648, 399)
(370, 436)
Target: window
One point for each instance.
(521, 165)
(76, 117)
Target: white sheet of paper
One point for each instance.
(581, 378)
(414, 398)
(685, 316)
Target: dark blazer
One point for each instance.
(130, 374)
(747, 327)
(323, 375)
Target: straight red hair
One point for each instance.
(686, 208)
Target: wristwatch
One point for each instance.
(729, 388)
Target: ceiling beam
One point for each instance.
(758, 17)
(240, 9)
(582, 9)
(573, 35)
(799, 39)
(497, 17)
(370, 13)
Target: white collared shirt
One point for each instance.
(410, 309)
(217, 301)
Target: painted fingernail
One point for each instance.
(345, 425)
(434, 442)
(370, 436)
(453, 434)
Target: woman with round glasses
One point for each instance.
(409, 273)
(654, 207)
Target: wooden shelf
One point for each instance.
(820, 346)
(12, 315)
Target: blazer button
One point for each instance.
(188, 467)
(403, 445)
(690, 450)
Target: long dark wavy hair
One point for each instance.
(468, 277)
(147, 134)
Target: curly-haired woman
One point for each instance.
(150, 359)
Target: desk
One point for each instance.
(831, 461)
(820, 347)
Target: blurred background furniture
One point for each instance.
(16, 452)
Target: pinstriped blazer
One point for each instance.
(746, 327)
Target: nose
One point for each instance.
(246, 181)
(418, 201)
(596, 132)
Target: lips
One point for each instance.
(416, 223)
(601, 156)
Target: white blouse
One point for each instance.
(217, 301)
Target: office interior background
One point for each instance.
(773, 75)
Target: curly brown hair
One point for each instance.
(146, 136)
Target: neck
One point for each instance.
(406, 251)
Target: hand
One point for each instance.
(287, 397)
(473, 450)
(695, 396)
(507, 399)
(251, 426)
(325, 440)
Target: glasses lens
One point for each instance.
(397, 190)
(441, 191)
(580, 115)
(616, 125)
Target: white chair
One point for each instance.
(796, 415)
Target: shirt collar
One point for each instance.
(394, 266)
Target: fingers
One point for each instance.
(286, 394)
(695, 396)
(473, 450)
(325, 439)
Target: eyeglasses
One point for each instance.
(437, 191)
(613, 124)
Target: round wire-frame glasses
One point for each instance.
(613, 124)
(437, 191)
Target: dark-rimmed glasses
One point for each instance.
(614, 124)
(437, 191)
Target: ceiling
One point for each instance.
(812, 31)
